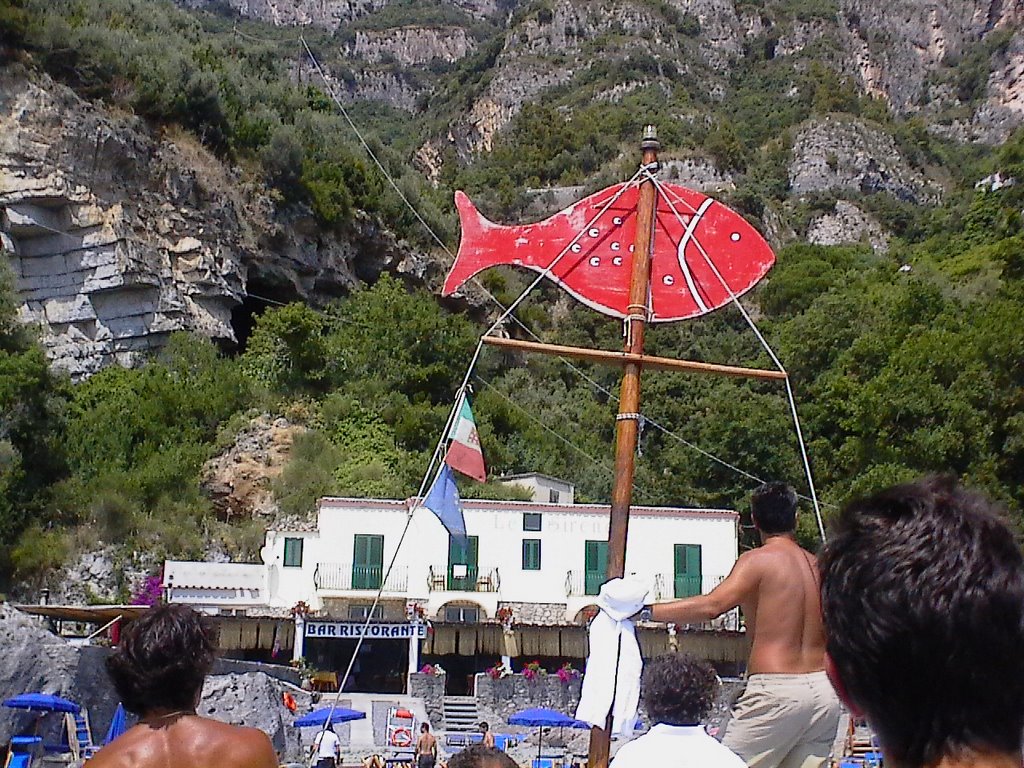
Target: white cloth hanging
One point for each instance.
(612, 677)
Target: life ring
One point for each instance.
(402, 737)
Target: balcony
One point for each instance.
(666, 586)
(346, 577)
(462, 578)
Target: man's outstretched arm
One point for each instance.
(741, 582)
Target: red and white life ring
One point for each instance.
(402, 737)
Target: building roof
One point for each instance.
(339, 502)
(89, 614)
(525, 475)
(185, 574)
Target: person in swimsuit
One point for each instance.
(426, 748)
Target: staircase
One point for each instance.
(460, 713)
(81, 741)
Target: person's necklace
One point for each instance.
(176, 713)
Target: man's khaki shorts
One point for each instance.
(784, 721)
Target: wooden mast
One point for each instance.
(628, 419)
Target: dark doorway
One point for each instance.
(380, 667)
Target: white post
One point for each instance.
(414, 656)
(300, 636)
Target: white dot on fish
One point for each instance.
(615, 246)
(617, 261)
(595, 261)
(593, 232)
(617, 221)
(632, 248)
(668, 279)
(576, 248)
(735, 237)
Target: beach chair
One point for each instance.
(21, 751)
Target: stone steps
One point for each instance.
(460, 713)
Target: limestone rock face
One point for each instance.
(118, 238)
(847, 224)
(833, 155)
(411, 46)
(110, 250)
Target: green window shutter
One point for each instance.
(531, 554)
(367, 561)
(293, 553)
(595, 566)
(688, 574)
(462, 552)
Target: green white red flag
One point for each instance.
(464, 452)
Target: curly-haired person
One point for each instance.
(923, 601)
(678, 692)
(158, 670)
(480, 756)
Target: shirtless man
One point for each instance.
(158, 670)
(788, 714)
(426, 748)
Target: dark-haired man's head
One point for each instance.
(424, 727)
(923, 605)
(678, 689)
(162, 660)
(484, 726)
(773, 508)
(479, 756)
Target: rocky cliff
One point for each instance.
(118, 235)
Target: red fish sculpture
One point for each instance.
(596, 235)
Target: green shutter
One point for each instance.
(531, 554)
(595, 566)
(293, 553)
(462, 552)
(367, 561)
(688, 570)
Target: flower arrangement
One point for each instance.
(533, 670)
(432, 669)
(301, 608)
(567, 672)
(498, 671)
(505, 617)
(415, 612)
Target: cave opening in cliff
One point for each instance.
(261, 296)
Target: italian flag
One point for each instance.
(464, 453)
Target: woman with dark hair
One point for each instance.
(158, 670)
(678, 692)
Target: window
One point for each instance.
(688, 570)
(367, 561)
(531, 554)
(595, 568)
(531, 521)
(293, 553)
(359, 611)
(553, 496)
(461, 614)
(462, 563)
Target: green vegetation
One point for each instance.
(902, 363)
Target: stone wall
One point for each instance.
(430, 688)
(497, 699)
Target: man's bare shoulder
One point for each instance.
(198, 742)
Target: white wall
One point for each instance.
(499, 526)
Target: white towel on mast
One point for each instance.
(612, 638)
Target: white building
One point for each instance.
(543, 561)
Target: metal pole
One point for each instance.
(627, 422)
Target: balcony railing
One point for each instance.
(666, 586)
(462, 578)
(347, 576)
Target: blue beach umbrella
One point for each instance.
(42, 702)
(318, 717)
(539, 717)
(118, 724)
